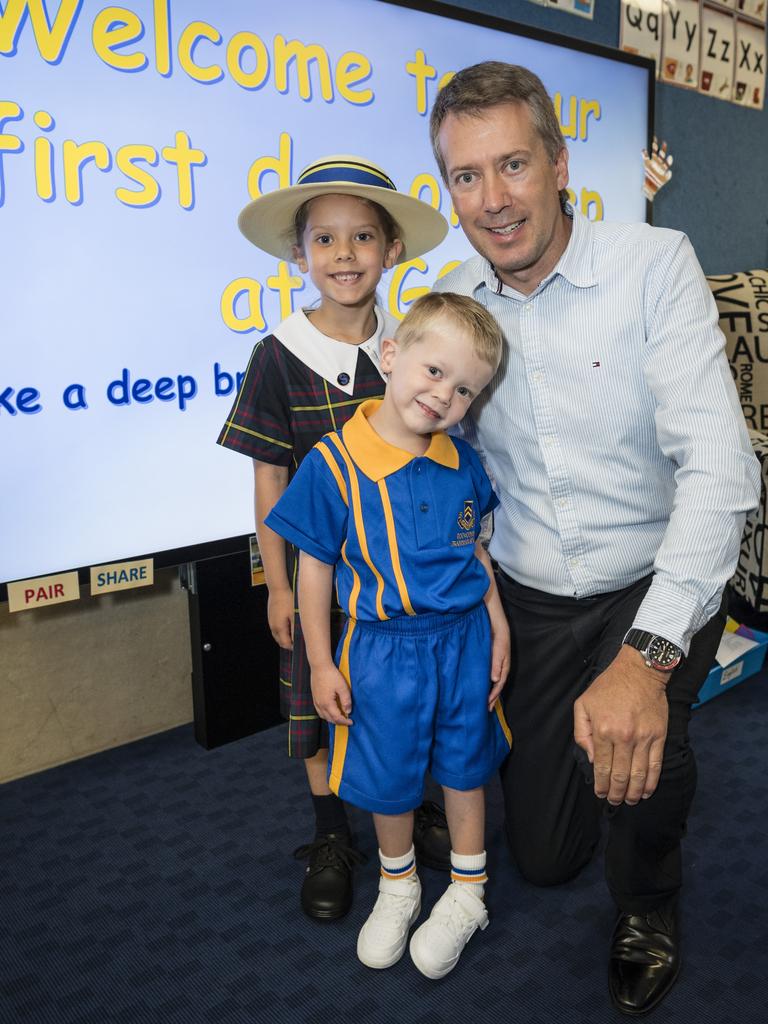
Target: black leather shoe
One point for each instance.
(326, 893)
(645, 960)
(431, 840)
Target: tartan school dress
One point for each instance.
(298, 386)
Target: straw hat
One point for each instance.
(268, 221)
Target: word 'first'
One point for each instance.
(75, 156)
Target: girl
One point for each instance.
(344, 224)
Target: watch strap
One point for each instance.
(639, 639)
(642, 641)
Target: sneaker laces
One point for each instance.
(456, 914)
(394, 907)
(330, 851)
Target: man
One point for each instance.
(625, 472)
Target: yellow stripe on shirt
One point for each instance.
(359, 525)
(334, 468)
(394, 552)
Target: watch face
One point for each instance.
(663, 654)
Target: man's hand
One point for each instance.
(500, 654)
(280, 617)
(621, 722)
(332, 695)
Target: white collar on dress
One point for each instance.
(335, 361)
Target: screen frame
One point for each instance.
(171, 557)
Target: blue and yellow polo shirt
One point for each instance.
(400, 529)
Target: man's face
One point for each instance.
(504, 189)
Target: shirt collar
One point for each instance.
(377, 458)
(333, 360)
(575, 264)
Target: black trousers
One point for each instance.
(553, 818)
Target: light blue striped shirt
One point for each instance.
(612, 430)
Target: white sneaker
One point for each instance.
(437, 944)
(384, 935)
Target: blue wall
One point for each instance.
(718, 193)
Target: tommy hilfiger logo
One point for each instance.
(467, 518)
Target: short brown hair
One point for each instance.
(487, 336)
(490, 84)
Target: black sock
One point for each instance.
(330, 815)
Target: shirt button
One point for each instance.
(424, 507)
(538, 376)
(574, 562)
(549, 440)
(343, 379)
(562, 503)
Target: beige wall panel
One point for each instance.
(92, 674)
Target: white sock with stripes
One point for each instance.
(398, 868)
(469, 870)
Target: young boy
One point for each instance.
(391, 506)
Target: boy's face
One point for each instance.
(433, 381)
(344, 249)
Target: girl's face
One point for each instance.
(345, 250)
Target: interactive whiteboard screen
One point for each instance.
(130, 138)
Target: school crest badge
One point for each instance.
(467, 518)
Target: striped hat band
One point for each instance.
(350, 173)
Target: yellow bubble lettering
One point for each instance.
(587, 107)
(239, 44)
(428, 182)
(75, 155)
(113, 28)
(423, 73)
(351, 68)
(243, 291)
(188, 40)
(50, 39)
(279, 166)
(285, 284)
(185, 158)
(303, 55)
(400, 297)
(9, 111)
(162, 17)
(591, 201)
(570, 129)
(447, 268)
(149, 190)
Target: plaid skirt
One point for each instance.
(307, 732)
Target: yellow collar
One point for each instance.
(377, 458)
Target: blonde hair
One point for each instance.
(467, 313)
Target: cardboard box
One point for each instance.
(731, 669)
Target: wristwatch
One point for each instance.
(659, 653)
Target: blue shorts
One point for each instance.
(420, 689)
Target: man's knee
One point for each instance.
(545, 865)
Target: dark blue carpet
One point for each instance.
(154, 884)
